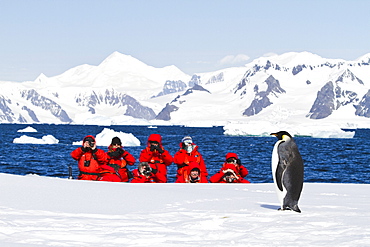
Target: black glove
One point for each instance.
(160, 150)
(117, 153)
(238, 161)
(152, 148)
(120, 151)
(85, 149)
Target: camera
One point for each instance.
(229, 177)
(91, 144)
(86, 163)
(147, 170)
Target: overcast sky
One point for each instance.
(50, 37)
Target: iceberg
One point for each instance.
(264, 128)
(48, 139)
(104, 138)
(27, 129)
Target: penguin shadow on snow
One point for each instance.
(272, 207)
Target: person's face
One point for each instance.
(194, 174)
(116, 145)
(187, 143)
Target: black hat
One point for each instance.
(116, 140)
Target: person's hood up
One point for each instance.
(231, 155)
(193, 165)
(88, 137)
(155, 138)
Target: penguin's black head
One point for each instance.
(280, 134)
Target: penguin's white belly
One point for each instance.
(274, 165)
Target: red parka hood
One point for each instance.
(83, 141)
(231, 155)
(155, 138)
(193, 165)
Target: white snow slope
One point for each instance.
(44, 211)
(230, 93)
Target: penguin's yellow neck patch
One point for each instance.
(285, 137)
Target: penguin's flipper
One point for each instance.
(279, 176)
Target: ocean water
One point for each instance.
(325, 160)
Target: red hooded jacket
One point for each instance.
(183, 158)
(155, 177)
(118, 163)
(161, 160)
(240, 168)
(220, 176)
(90, 161)
(185, 177)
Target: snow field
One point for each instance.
(47, 211)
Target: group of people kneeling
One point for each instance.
(96, 164)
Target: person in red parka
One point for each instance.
(156, 155)
(90, 159)
(189, 153)
(119, 159)
(192, 173)
(147, 174)
(232, 171)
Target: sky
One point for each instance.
(51, 37)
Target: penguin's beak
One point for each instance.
(273, 134)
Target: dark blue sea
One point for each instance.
(326, 160)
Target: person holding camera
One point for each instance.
(232, 171)
(119, 159)
(157, 157)
(188, 153)
(146, 174)
(90, 159)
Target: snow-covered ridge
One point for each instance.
(291, 89)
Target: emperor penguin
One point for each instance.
(287, 171)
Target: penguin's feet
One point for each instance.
(294, 208)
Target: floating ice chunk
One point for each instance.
(104, 138)
(334, 134)
(27, 129)
(48, 139)
(264, 128)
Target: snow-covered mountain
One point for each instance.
(292, 88)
